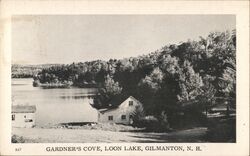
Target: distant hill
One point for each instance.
(27, 71)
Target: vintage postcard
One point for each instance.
(124, 78)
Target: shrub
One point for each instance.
(17, 139)
(163, 121)
(150, 123)
(222, 131)
(153, 124)
(35, 83)
(137, 116)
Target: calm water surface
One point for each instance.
(55, 105)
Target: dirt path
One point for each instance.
(42, 135)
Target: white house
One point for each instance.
(23, 116)
(122, 114)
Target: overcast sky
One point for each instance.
(78, 38)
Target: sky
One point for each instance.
(78, 38)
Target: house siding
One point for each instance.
(21, 120)
(123, 109)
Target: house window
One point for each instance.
(28, 120)
(13, 117)
(110, 117)
(123, 117)
(130, 103)
(24, 116)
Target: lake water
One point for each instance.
(55, 105)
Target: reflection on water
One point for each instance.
(55, 105)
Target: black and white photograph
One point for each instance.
(123, 78)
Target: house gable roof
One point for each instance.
(23, 109)
(117, 104)
(134, 99)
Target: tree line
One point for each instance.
(27, 71)
(190, 76)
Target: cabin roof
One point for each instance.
(23, 109)
(115, 103)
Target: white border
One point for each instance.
(66, 7)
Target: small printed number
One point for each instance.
(18, 149)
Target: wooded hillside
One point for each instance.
(167, 80)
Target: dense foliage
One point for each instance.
(27, 71)
(174, 79)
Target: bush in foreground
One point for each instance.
(17, 139)
(222, 131)
(154, 124)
